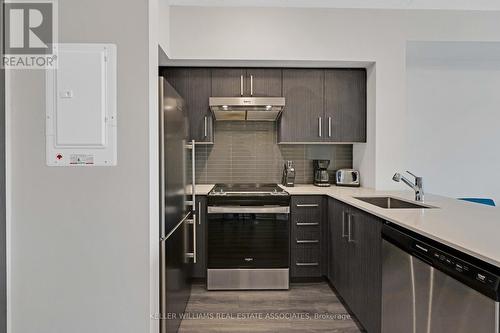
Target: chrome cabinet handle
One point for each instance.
(306, 224)
(307, 241)
(307, 205)
(307, 264)
(329, 127)
(319, 126)
(343, 224)
(349, 228)
(241, 85)
(205, 123)
(251, 85)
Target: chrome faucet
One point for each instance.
(418, 187)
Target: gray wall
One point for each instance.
(80, 236)
(246, 152)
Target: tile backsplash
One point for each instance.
(247, 152)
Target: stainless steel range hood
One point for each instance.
(247, 108)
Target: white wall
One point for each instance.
(454, 117)
(80, 237)
(281, 34)
(163, 14)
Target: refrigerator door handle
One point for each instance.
(181, 222)
(193, 254)
(199, 212)
(193, 173)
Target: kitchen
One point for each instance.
(280, 154)
(254, 229)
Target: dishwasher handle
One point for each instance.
(423, 258)
(408, 243)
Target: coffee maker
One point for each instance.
(321, 177)
(288, 174)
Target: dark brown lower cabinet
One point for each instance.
(306, 241)
(338, 260)
(200, 267)
(355, 267)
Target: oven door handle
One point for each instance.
(248, 209)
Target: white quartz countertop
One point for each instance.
(200, 189)
(468, 227)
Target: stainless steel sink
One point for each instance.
(392, 203)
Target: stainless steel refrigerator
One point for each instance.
(177, 230)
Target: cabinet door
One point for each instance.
(345, 105)
(331, 241)
(302, 118)
(263, 82)
(200, 267)
(194, 86)
(227, 82)
(339, 251)
(366, 269)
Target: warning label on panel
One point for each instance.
(81, 159)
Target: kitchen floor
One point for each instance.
(295, 310)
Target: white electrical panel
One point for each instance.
(81, 106)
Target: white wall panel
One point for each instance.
(337, 35)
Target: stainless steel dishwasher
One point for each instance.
(428, 287)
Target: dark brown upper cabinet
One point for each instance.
(345, 105)
(302, 118)
(228, 82)
(323, 106)
(194, 86)
(263, 82)
(257, 82)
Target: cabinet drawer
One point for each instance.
(306, 271)
(305, 202)
(306, 209)
(306, 260)
(306, 251)
(310, 231)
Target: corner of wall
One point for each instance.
(163, 16)
(364, 154)
(154, 23)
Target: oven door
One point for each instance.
(242, 237)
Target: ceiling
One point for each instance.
(380, 4)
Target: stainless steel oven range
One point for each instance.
(248, 237)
